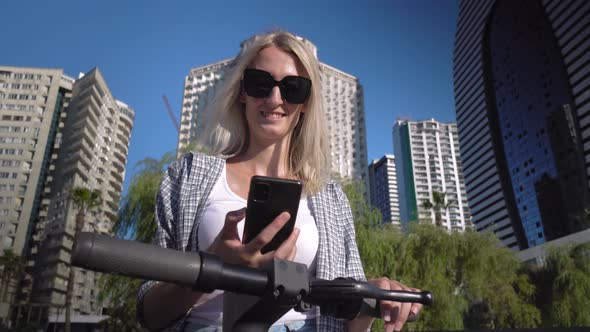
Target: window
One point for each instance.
(8, 242)
(6, 187)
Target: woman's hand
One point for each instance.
(229, 248)
(394, 314)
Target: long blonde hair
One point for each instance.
(227, 131)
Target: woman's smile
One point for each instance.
(272, 115)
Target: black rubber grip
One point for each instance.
(371, 308)
(423, 297)
(135, 259)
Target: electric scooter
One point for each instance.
(253, 299)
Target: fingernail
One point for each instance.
(387, 315)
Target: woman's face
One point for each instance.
(271, 119)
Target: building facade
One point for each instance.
(428, 160)
(31, 104)
(343, 102)
(199, 91)
(383, 185)
(522, 95)
(92, 153)
(57, 133)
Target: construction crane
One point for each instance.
(174, 121)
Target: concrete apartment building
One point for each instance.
(84, 142)
(384, 191)
(428, 159)
(343, 103)
(31, 105)
(522, 97)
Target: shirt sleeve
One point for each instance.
(167, 218)
(354, 266)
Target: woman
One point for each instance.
(267, 120)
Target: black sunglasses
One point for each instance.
(259, 84)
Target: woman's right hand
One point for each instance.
(230, 249)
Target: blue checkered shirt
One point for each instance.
(181, 201)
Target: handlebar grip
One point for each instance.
(371, 308)
(424, 297)
(107, 254)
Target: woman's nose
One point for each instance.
(274, 98)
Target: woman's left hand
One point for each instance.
(394, 314)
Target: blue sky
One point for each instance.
(401, 51)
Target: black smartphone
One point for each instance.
(267, 198)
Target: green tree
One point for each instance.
(136, 221)
(362, 211)
(496, 287)
(439, 204)
(474, 280)
(85, 200)
(12, 268)
(563, 291)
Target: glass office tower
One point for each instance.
(523, 108)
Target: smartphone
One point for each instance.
(267, 198)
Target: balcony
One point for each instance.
(124, 131)
(116, 185)
(120, 157)
(121, 148)
(114, 195)
(123, 139)
(117, 176)
(111, 215)
(126, 121)
(117, 165)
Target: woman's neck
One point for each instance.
(265, 159)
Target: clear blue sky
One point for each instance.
(401, 51)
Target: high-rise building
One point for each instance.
(343, 102)
(383, 185)
(92, 153)
(57, 133)
(428, 160)
(522, 96)
(199, 91)
(31, 104)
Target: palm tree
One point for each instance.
(85, 200)
(12, 267)
(438, 205)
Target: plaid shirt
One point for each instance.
(181, 201)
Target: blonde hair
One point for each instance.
(227, 131)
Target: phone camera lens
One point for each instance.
(261, 192)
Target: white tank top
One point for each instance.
(208, 309)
